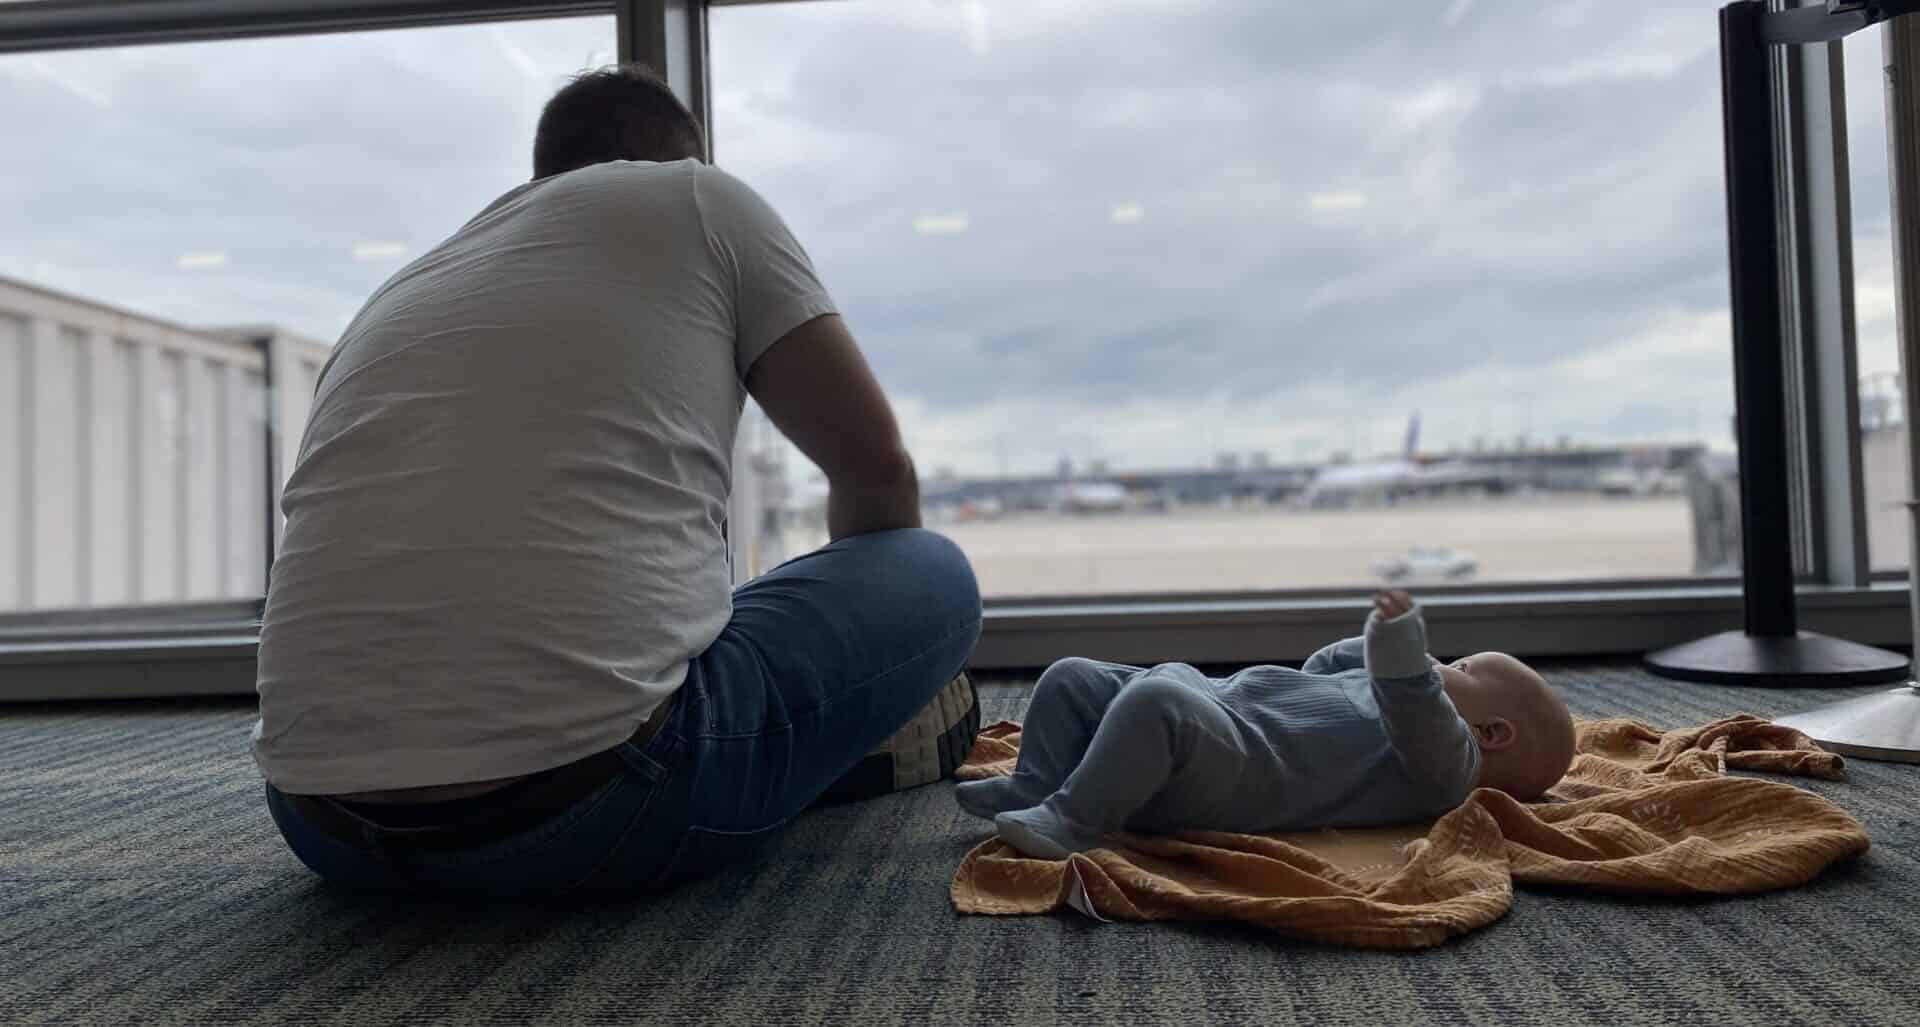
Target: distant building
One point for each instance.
(1713, 490)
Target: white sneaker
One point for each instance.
(929, 748)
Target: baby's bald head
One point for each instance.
(1523, 729)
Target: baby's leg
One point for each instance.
(1159, 738)
(1068, 702)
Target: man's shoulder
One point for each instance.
(632, 172)
(623, 183)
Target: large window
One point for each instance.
(180, 222)
(1883, 427)
(1245, 295)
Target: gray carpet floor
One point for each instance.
(142, 882)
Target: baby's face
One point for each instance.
(1525, 734)
(1488, 685)
(1480, 673)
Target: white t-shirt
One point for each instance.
(503, 536)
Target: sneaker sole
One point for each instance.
(929, 748)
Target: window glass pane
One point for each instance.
(165, 209)
(1883, 429)
(1224, 296)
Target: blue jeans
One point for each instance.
(825, 658)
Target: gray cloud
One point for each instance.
(1508, 201)
(1539, 181)
(282, 154)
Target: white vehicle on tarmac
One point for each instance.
(1427, 565)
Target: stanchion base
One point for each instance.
(1881, 726)
(1802, 660)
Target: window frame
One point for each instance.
(1815, 215)
(201, 649)
(41, 25)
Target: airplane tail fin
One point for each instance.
(1413, 436)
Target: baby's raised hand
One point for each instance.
(1391, 603)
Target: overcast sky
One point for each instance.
(1142, 231)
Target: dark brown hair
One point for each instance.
(622, 112)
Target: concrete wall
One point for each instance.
(1883, 460)
(133, 455)
(296, 373)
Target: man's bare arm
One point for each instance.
(817, 388)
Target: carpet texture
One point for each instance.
(142, 882)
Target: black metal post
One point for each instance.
(1771, 650)
(1759, 352)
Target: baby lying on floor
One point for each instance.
(1370, 731)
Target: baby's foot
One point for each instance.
(992, 796)
(1037, 832)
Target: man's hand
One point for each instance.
(1391, 603)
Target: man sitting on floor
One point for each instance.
(501, 653)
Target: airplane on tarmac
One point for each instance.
(1092, 497)
(1388, 480)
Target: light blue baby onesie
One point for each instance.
(1361, 735)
